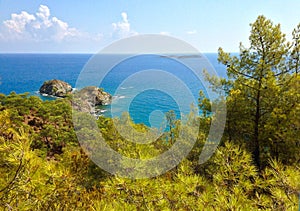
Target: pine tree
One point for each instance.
(258, 76)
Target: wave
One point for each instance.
(117, 97)
(46, 96)
(130, 87)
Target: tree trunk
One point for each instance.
(256, 151)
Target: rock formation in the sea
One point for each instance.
(95, 95)
(56, 88)
(89, 97)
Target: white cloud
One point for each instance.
(18, 22)
(124, 16)
(122, 29)
(44, 14)
(164, 33)
(192, 32)
(43, 31)
(62, 30)
(38, 27)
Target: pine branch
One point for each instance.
(15, 176)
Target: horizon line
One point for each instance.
(93, 53)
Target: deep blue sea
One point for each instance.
(146, 86)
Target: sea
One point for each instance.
(146, 86)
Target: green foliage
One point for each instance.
(262, 102)
(42, 166)
(68, 180)
(171, 124)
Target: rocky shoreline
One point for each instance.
(86, 99)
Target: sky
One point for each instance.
(65, 26)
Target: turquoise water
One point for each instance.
(27, 72)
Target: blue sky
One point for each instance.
(87, 26)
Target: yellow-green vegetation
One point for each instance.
(256, 166)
